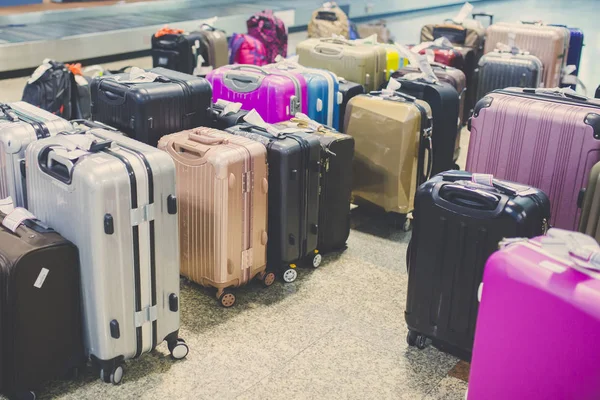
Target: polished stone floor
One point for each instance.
(338, 332)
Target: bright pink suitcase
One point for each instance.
(276, 95)
(538, 327)
(543, 138)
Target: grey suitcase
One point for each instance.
(20, 124)
(114, 197)
(499, 70)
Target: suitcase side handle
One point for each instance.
(187, 148)
(328, 51)
(242, 83)
(55, 165)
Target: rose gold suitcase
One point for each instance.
(222, 200)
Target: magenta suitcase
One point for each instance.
(276, 95)
(538, 328)
(545, 138)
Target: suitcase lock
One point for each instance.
(294, 105)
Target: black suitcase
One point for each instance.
(40, 311)
(471, 59)
(147, 111)
(221, 121)
(457, 225)
(294, 170)
(348, 90)
(444, 102)
(179, 52)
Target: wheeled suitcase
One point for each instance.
(20, 124)
(537, 138)
(573, 55)
(178, 50)
(335, 190)
(347, 90)
(217, 50)
(293, 217)
(392, 134)
(148, 105)
(323, 98)
(114, 198)
(458, 222)
(441, 54)
(500, 69)
(275, 95)
(222, 189)
(589, 202)
(469, 34)
(548, 43)
(444, 102)
(535, 296)
(41, 338)
(361, 63)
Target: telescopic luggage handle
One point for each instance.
(469, 197)
(486, 15)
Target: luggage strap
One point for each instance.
(148, 314)
(9, 113)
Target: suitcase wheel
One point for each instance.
(315, 259)
(268, 278)
(226, 298)
(289, 275)
(25, 396)
(416, 339)
(179, 350)
(114, 376)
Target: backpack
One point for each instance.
(246, 49)
(81, 97)
(271, 31)
(49, 88)
(329, 20)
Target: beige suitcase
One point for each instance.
(361, 63)
(392, 153)
(222, 201)
(548, 43)
(590, 205)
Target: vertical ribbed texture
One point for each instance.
(499, 72)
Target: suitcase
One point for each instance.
(454, 77)
(499, 70)
(222, 119)
(40, 312)
(293, 218)
(323, 98)
(20, 124)
(457, 225)
(217, 54)
(335, 185)
(548, 43)
(574, 52)
(182, 52)
(444, 102)
(121, 193)
(148, 110)
(276, 95)
(348, 90)
(588, 203)
(524, 344)
(379, 28)
(222, 189)
(443, 55)
(538, 137)
(392, 134)
(472, 36)
(362, 63)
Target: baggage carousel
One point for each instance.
(125, 29)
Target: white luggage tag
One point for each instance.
(13, 216)
(368, 40)
(464, 12)
(229, 107)
(406, 53)
(488, 181)
(254, 118)
(39, 71)
(581, 250)
(93, 71)
(137, 75)
(7, 205)
(310, 123)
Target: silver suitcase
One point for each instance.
(114, 197)
(499, 70)
(20, 124)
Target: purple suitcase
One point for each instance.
(544, 138)
(539, 321)
(276, 95)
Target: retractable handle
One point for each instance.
(469, 197)
(486, 15)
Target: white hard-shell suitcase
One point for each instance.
(20, 124)
(114, 197)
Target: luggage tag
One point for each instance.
(229, 107)
(368, 40)
(137, 75)
(406, 53)
(464, 12)
(254, 118)
(14, 218)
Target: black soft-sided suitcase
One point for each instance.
(294, 170)
(147, 111)
(179, 52)
(445, 103)
(348, 90)
(40, 315)
(457, 226)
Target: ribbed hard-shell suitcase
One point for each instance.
(221, 190)
(40, 313)
(293, 216)
(145, 110)
(275, 95)
(348, 90)
(574, 52)
(392, 134)
(361, 63)
(335, 190)
(548, 43)
(536, 295)
(457, 225)
(543, 138)
(178, 51)
(20, 124)
(115, 199)
(499, 70)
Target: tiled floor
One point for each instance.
(338, 332)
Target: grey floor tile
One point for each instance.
(448, 389)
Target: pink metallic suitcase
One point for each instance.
(539, 321)
(545, 138)
(276, 95)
